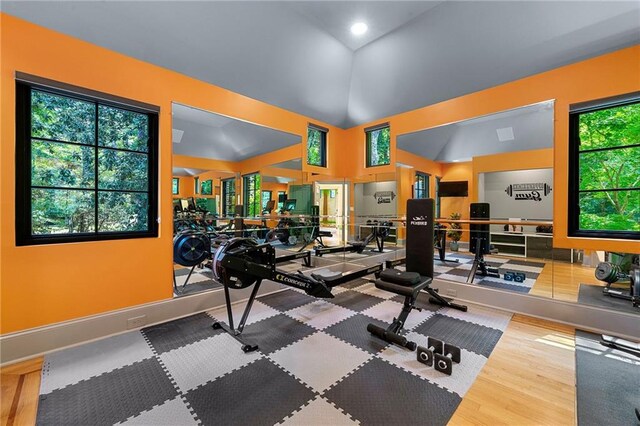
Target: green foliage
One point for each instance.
(454, 232)
(379, 147)
(315, 146)
(617, 127)
(207, 187)
(69, 161)
(252, 201)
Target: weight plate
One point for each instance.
(191, 248)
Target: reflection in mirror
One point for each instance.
(492, 180)
(225, 185)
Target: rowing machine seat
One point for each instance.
(326, 275)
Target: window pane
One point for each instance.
(62, 211)
(610, 127)
(118, 128)
(62, 118)
(610, 211)
(122, 211)
(315, 147)
(618, 168)
(122, 170)
(379, 147)
(175, 187)
(62, 165)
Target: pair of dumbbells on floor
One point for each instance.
(440, 355)
(518, 277)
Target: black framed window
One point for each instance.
(175, 186)
(281, 194)
(378, 140)
(196, 185)
(228, 197)
(604, 170)
(266, 197)
(86, 168)
(316, 146)
(438, 178)
(421, 186)
(251, 195)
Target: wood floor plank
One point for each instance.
(28, 403)
(528, 379)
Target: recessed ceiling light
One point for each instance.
(359, 28)
(505, 134)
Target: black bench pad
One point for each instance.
(403, 289)
(397, 276)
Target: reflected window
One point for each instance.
(175, 186)
(421, 186)
(196, 185)
(228, 197)
(317, 146)
(438, 196)
(266, 197)
(378, 146)
(604, 192)
(282, 195)
(86, 168)
(251, 195)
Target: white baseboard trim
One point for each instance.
(584, 317)
(26, 344)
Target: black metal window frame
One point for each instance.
(323, 144)
(196, 185)
(367, 133)
(228, 197)
(423, 190)
(23, 208)
(438, 199)
(246, 194)
(574, 171)
(175, 181)
(262, 200)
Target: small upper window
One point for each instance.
(317, 146)
(175, 187)
(421, 187)
(378, 146)
(86, 168)
(604, 192)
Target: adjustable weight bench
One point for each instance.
(418, 276)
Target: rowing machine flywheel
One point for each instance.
(234, 278)
(191, 248)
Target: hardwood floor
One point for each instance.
(529, 379)
(20, 385)
(561, 280)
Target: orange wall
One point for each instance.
(52, 283)
(186, 187)
(601, 77)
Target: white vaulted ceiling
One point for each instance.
(301, 56)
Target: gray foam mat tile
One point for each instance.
(276, 332)
(503, 285)
(83, 362)
(109, 398)
(172, 412)
(355, 301)
(474, 337)
(354, 331)
(286, 300)
(260, 393)
(181, 332)
(381, 394)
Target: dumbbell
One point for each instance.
(425, 355)
(444, 361)
(518, 277)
